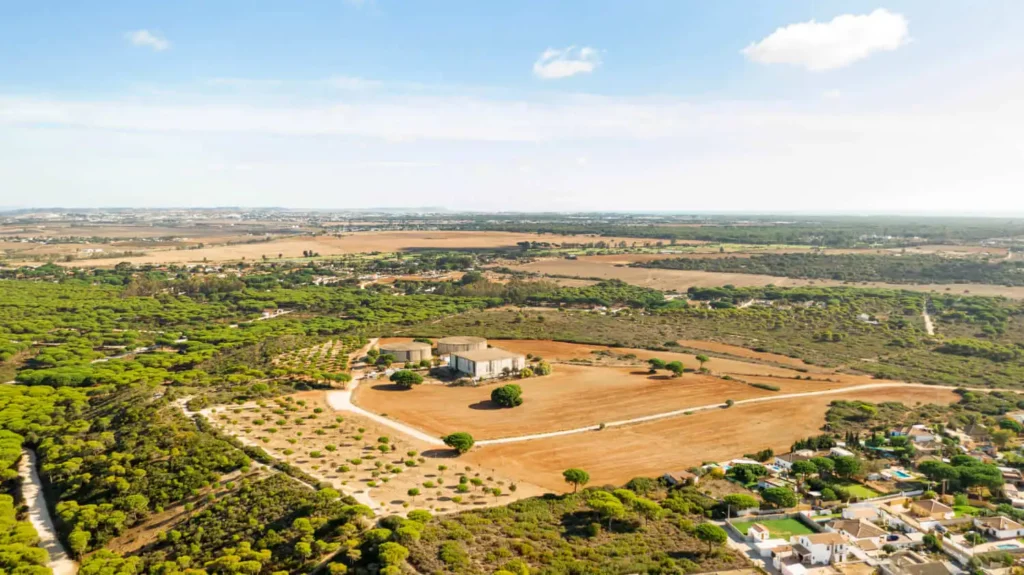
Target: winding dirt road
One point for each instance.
(928, 325)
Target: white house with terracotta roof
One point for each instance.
(999, 527)
(859, 531)
(758, 532)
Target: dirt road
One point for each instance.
(39, 516)
(928, 325)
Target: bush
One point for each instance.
(406, 379)
(508, 395)
(453, 555)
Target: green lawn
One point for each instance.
(779, 528)
(857, 490)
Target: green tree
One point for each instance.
(78, 540)
(459, 441)
(847, 466)
(646, 508)
(510, 395)
(392, 553)
(740, 501)
(656, 363)
(675, 367)
(703, 359)
(607, 506)
(802, 469)
(779, 497)
(406, 379)
(577, 477)
(710, 534)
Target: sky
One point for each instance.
(729, 106)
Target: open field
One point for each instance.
(778, 528)
(571, 397)
(680, 280)
(345, 453)
(358, 242)
(615, 455)
(742, 352)
(564, 351)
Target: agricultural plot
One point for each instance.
(330, 356)
(616, 455)
(387, 471)
(572, 396)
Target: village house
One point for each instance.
(811, 549)
(758, 532)
(931, 509)
(786, 460)
(860, 532)
(999, 527)
(855, 512)
(912, 563)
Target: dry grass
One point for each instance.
(359, 242)
(615, 455)
(681, 280)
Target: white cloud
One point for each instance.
(819, 46)
(148, 39)
(555, 63)
(833, 94)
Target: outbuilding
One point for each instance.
(460, 343)
(407, 352)
(488, 362)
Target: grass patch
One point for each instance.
(857, 490)
(778, 528)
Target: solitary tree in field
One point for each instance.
(406, 379)
(675, 367)
(459, 441)
(710, 534)
(702, 359)
(510, 395)
(656, 364)
(577, 477)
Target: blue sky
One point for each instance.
(704, 106)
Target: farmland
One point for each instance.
(680, 280)
(615, 455)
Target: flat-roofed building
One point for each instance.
(485, 363)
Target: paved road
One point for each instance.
(39, 516)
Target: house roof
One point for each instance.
(999, 523)
(792, 457)
(489, 354)
(930, 568)
(759, 527)
(825, 538)
(931, 506)
(858, 529)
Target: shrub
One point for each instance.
(508, 395)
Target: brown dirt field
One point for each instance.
(614, 456)
(392, 496)
(359, 242)
(562, 351)
(735, 350)
(571, 397)
(680, 280)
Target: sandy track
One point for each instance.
(39, 516)
(928, 325)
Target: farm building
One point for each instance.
(407, 352)
(456, 344)
(488, 362)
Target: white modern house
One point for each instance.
(485, 363)
(821, 548)
(999, 527)
(786, 460)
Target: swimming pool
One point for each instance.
(1007, 546)
(901, 474)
